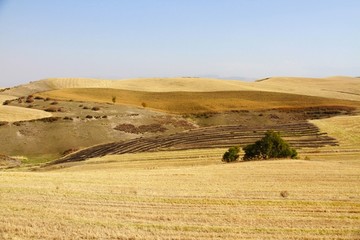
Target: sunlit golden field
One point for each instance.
(141, 196)
(12, 114)
(324, 87)
(195, 102)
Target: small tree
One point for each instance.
(270, 146)
(231, 155)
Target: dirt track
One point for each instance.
(299, 135)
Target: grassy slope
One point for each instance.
(335, 87)
(154, 199)
(145, 84)
(13, 114)
(194, 102)
(346, 130)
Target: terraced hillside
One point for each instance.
(299, 135)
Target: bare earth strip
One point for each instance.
(13, 114)
(125, 199)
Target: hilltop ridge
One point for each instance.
(349, 88)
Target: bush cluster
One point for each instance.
(231, 155)
(270, 146)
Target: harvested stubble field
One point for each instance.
(183, 195)
(197, 102)
(13, 114)
(346, 130)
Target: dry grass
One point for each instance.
(13, 114)
(144, 84)
(195, 102)
(182, 195)
(3, 98)
(347, 132)
(336, 87)
(346, 129)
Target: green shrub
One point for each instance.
(270, 146)
(231, 155)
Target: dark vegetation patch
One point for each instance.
(46, 120)
(7, 102)
(318, 112)
(176, 122)
(29, 100)
(4, 123)
(129, 128)
(4, 89)
(51, 109)
(69, 151)
(272, 145)
(204, 114)
(284, 194)
(8, 162)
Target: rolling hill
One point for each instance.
(197, 102)
(83, 114)
(333, 87)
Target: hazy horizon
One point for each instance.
(228, 39)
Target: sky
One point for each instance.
(116, 39)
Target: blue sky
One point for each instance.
(163, 38)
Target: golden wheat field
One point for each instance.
(135, 196)
(13, 114)
(332, 87)
(195, 102)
